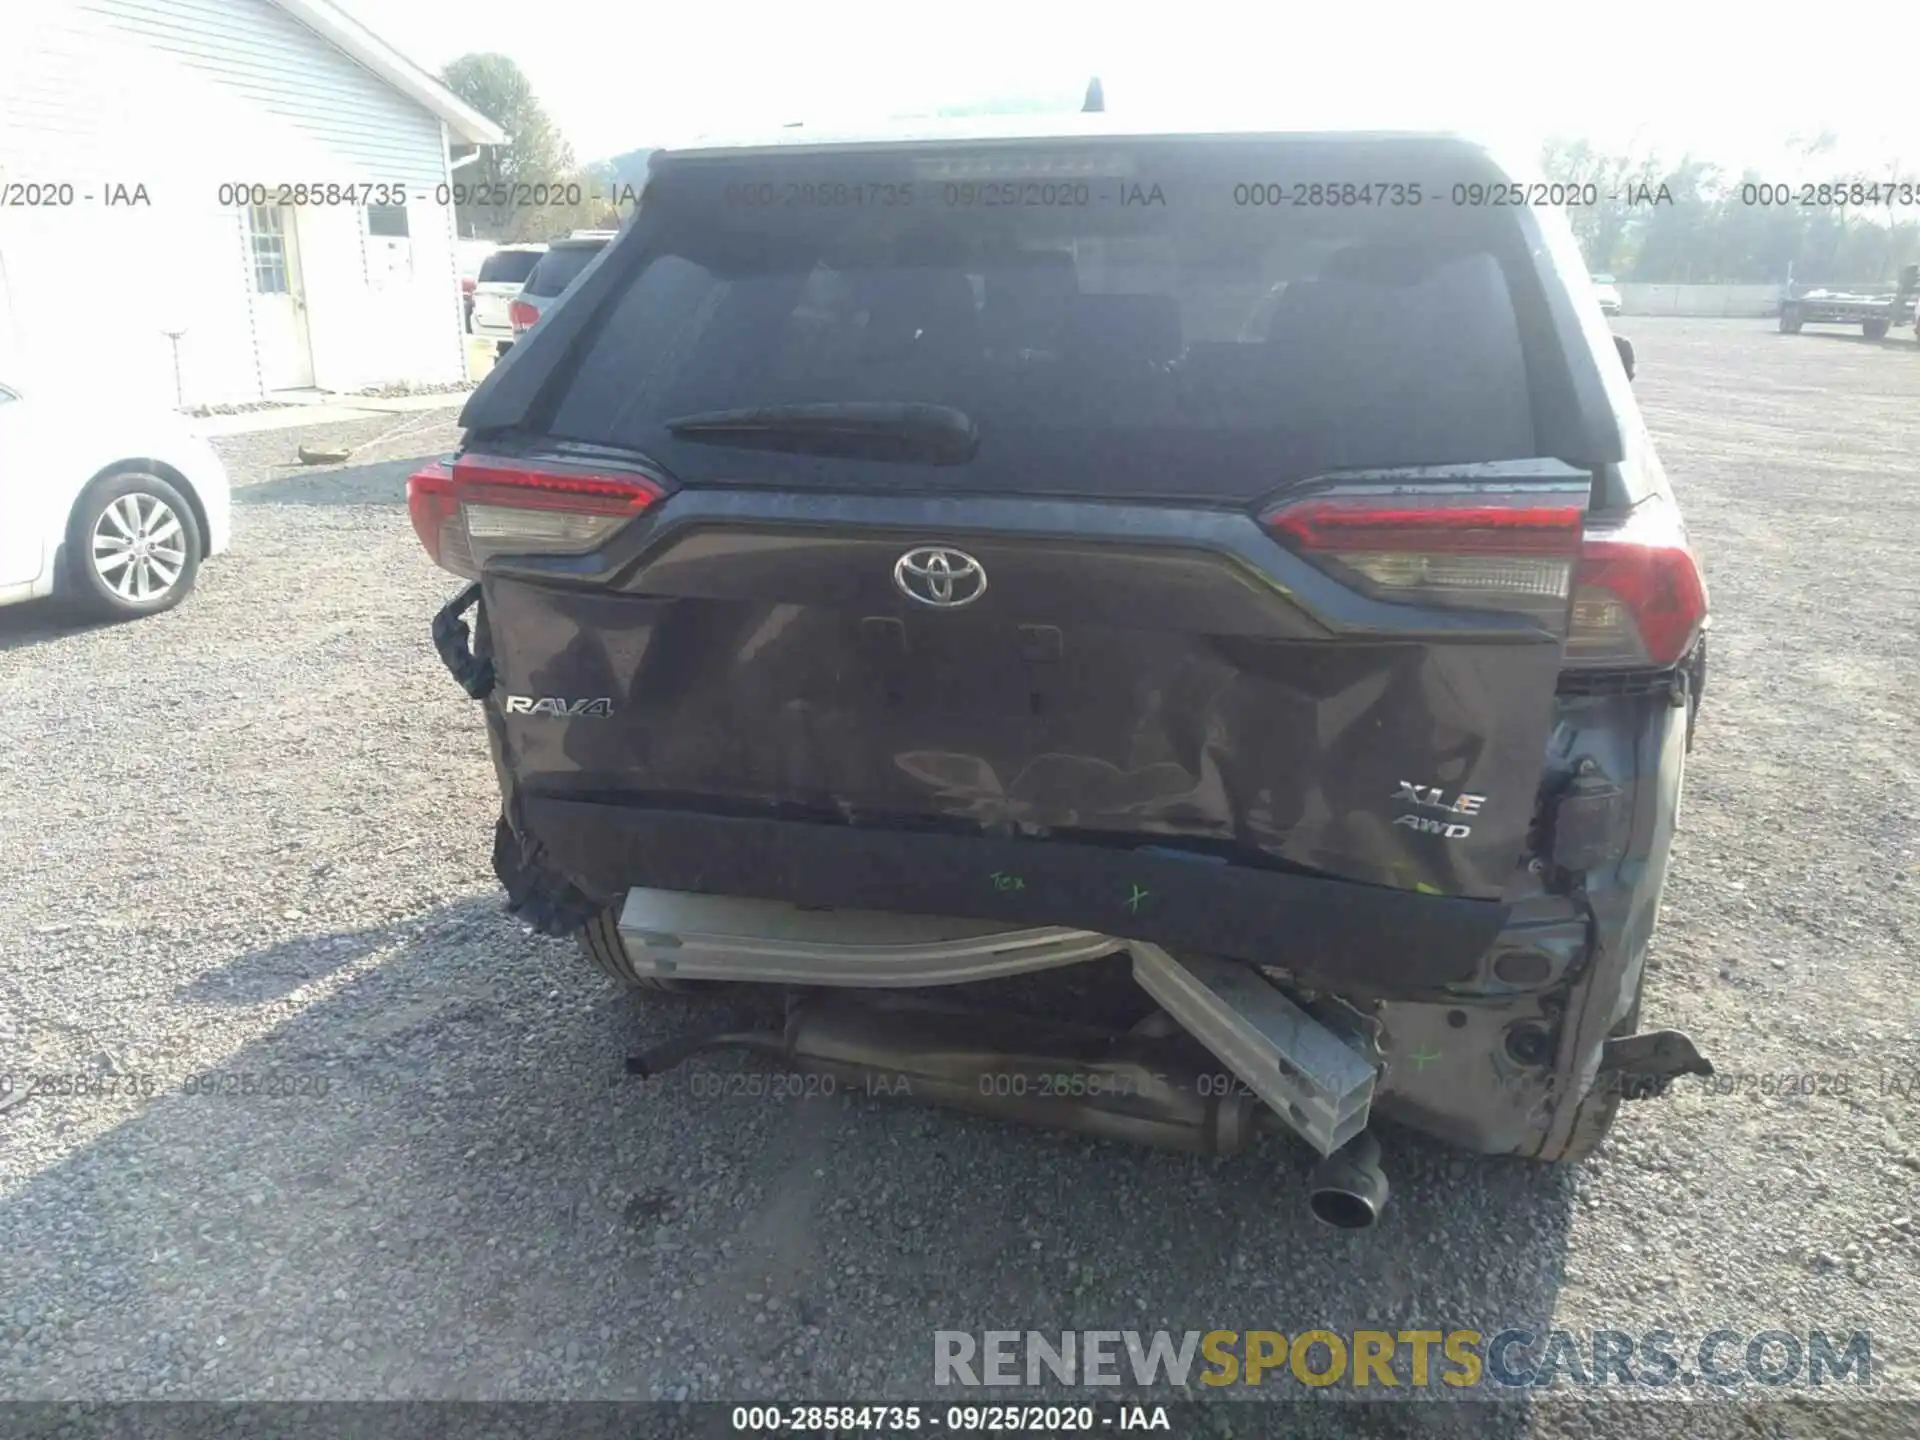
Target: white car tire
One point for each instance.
(133, 546)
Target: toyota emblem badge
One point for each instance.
(939, 576)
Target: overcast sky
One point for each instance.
(1732, 83)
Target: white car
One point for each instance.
(111, 508)
(501, 276)
(1607, 293)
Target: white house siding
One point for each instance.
(182, 96)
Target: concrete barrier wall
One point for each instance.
(1752, 300)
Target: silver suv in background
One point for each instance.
(501, 276)
(556, 270)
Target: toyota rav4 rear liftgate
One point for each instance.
(1181, 543)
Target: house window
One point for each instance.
(267, 242)
(387, 220)
(389, 252)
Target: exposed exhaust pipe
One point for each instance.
(1144, 1086)
(1139, 1086)
(1348, 1189)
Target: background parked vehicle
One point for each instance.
(470, 256)
(1875, 311)
(110, 508)
(1607, 293)
(557, 270)
(501, 277)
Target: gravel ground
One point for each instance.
(250, 838)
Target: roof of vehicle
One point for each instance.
(973, 129)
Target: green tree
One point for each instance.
(1675, 238)
(1715, 231)
(536, 153)
(1753, 244)
(1603, 229)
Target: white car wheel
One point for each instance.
(134, 546)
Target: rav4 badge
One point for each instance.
(557, 706)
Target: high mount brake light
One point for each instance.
(486, 506)
(1469, 552)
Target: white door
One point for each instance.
(22, 478)
(279, 304)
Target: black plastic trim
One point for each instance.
(450, 638)
(1279, 592)
(1639, 680)
(1365, 937)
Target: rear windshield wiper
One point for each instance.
(866, 430)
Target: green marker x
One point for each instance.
(1423, 1057)
(1133, 900)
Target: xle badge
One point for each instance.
(1432, 797)
(558, 706)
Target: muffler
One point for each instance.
(1144, 1086)
(1160, 1084)
(1348, 1189)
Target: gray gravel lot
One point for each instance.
(250, 837)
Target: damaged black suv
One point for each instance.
(912, 561)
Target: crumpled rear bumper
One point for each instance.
(1369, 937)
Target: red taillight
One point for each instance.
(1638, 597)
(430, 505)
(509, 506)
(521, 315)
(1626, 594)
(479, 478)
(1462, 550)
(1344, 526)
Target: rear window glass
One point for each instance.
(1173, 320)
(559, 268)
(508, 267)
